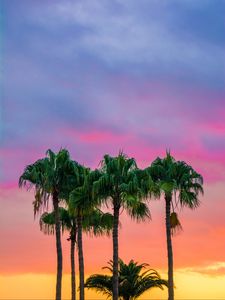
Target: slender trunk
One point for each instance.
(58, 247)
(168, 199)
(80, 256)
(72, 251)
(116, 210)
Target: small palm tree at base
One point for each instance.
(133, 280)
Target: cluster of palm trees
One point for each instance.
(77, 194)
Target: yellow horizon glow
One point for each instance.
(189, 285)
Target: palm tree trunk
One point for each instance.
(168, 199)
(72, 251)
(58, 247)
(116, 210)
(80, 256)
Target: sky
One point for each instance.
(96, 77)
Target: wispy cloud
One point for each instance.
(141, 38)
(216, 269)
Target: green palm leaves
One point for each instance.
(98, 223)
(118, 178)
(178, 178)
(121, 184)
(52, 175)
(134, 280)
(47, 221)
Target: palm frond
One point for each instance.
(82, 196)
(47, 221)
(175, 224)
(137, 210)
(101, 283)
(98, 223)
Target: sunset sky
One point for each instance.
(95, 77)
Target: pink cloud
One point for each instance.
(96, 136)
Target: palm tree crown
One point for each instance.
(52, 175)
(120, 183)
(177, 178)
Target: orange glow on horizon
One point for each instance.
(189, 285)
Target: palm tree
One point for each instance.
(51, 177)
(47, 225)
(119, 185)
(98, 223)
(132, 281)
(82, 205)
(181, 186)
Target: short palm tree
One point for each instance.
(96, 224)
(119, 185)
(51, 177)
(134, 280)
(47, 225)
(181, 186)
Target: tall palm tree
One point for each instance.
(134, 280)
(119, 185)
(51, 177)
(181, 186)
(96, 224)
(82, 205)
